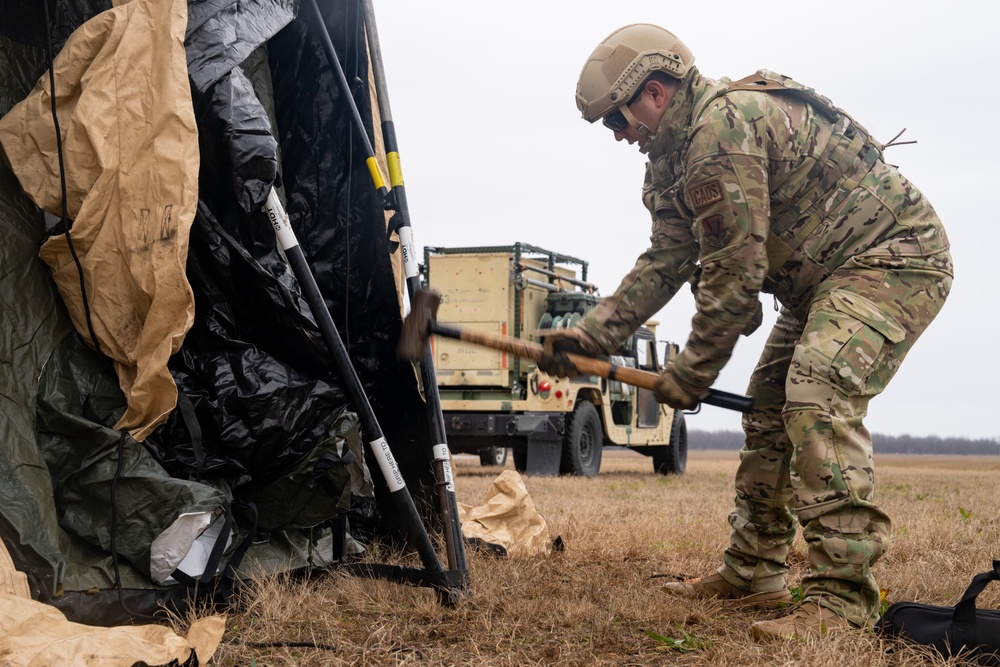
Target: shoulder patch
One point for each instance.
(714, 231)
(703, 194)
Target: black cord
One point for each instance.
(279, 644)
(65, 225)
(347, 216)
(347, 237)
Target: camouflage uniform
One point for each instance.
(771, 188)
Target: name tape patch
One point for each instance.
(704, 194)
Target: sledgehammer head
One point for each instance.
(417, 325)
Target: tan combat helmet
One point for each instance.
(612, 74)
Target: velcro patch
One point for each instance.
(704, 194)
(715, 233)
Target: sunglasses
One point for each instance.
(615, 121)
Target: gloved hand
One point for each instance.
(677, 393)
(560, 341)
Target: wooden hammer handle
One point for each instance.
(515, 346)
(586, 365)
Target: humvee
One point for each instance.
(493, 401)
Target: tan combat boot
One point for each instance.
(716, 586)
(808, 620)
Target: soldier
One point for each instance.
(763, 185)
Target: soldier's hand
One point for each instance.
(677, 393)
(559, 342)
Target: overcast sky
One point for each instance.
(494, 151)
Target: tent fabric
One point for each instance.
(254, 366)
(131, 164)
(24, 21)
(31, 327)
(59, 522)
(104, 470)
(507, 517)
(32, 633)
(58, 453)
(36, 337)
(262, 394)
(225, 50)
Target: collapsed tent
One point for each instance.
(192, 425)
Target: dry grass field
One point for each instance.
(599, 602)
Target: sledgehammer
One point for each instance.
(422, 322)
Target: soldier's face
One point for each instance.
(625, 124)
(630, 135)
(646, 110)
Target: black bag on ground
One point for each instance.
(962, 629)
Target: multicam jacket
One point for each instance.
(768, 187)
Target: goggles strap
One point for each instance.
(636, 125)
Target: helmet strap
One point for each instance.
(643, 131)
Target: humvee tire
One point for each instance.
(583, 442)
(493, 456)
(672, 460)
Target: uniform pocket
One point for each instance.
(847, 544)
(659, 200)
(868, 312)
(872, 335)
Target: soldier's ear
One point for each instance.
(660, 93)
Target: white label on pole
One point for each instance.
(387, 464)
(410, 269)
(279, 221)
(448, 480)
(441, 454)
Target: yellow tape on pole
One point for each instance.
(395, 170)
(375, 172)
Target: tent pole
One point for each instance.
(376, 439)
(442, 457)
(400, 221)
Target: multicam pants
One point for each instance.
(807, 454)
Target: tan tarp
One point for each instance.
(34, 634)
(131, 155)
(507, 516)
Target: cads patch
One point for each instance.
(705, 194)
(715, 233)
